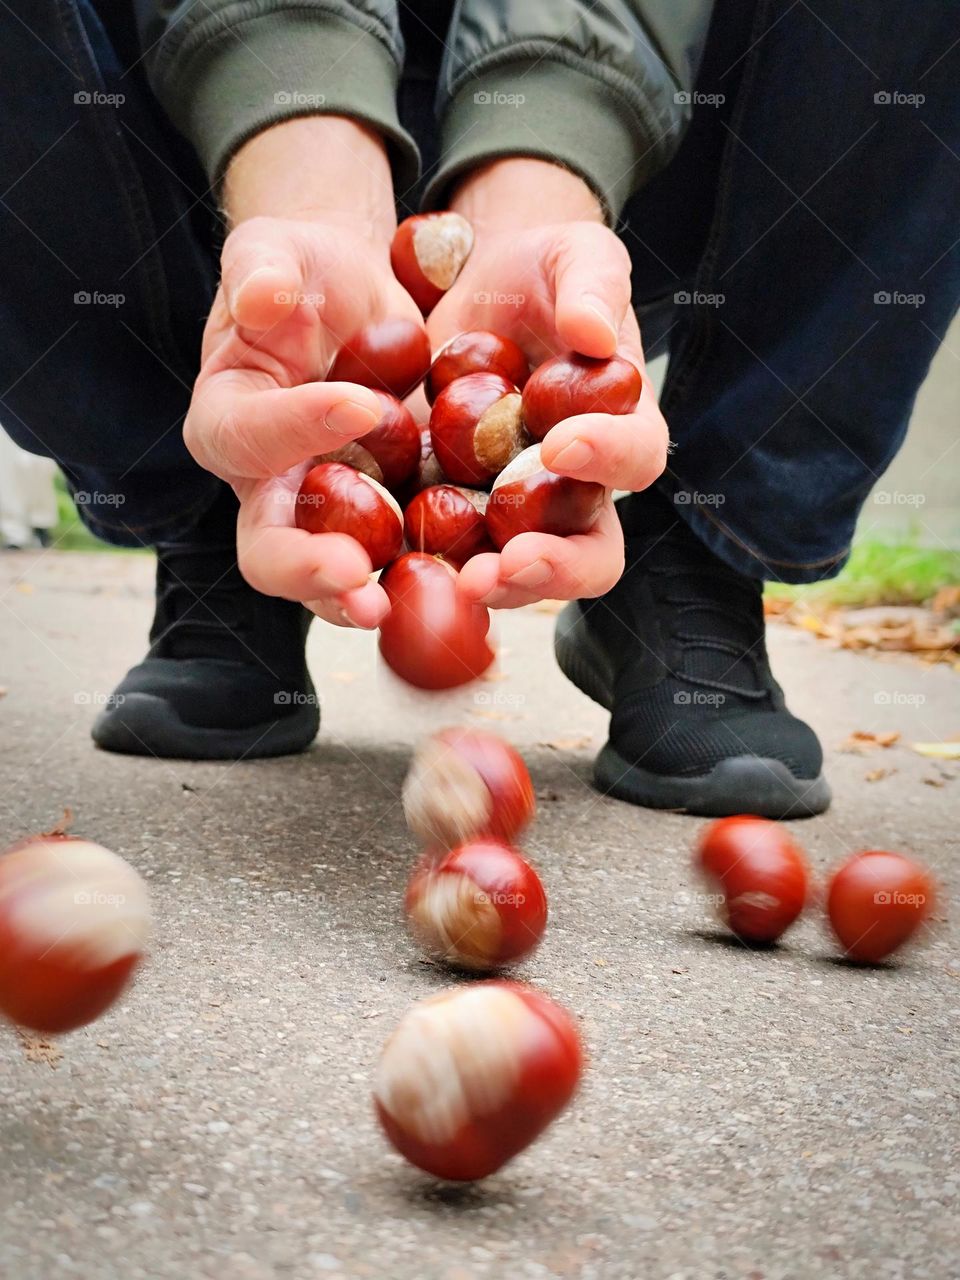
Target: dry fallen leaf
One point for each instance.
(934, 782)
(567, 744)
(37, 1049)
(938, 750)
(860, 741)
(876, 775)
(549, 606)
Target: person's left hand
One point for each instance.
(554, 287)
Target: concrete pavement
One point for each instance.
(747, 1115)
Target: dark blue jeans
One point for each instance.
(799, 260)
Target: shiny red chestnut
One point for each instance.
(472, 1076)
(428, 253)
(390, 355)
(527, 498)
(876, 902)
(760, 875)
(572, 384)
(74, 925)
(475, 427)
(447, 521)
(433, 638)
(476, 351)
(390, 453)
(480, 907)
(334, 498)
(464, 783)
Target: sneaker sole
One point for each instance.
(146, 726)
(740, 784)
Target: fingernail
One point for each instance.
(601, 309)
(493, 599)
(351, 418)
(257, 271)
(534, 575)
(573, 456)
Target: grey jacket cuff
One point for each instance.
(552, 112)
(277, 65)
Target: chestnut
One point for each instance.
(433, 638)
(760, 874)
(480, 907)
(428, 253)
(390, 453)
(391, 355)
(572, 384)
(74, 925)
(876, 902)
(476, 351)
(475, 427)
(464, 783)
(448, 521)
(335, 498)
(527, 498)
(470, 1077)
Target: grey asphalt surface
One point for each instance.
(746, 1116)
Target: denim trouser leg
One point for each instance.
(108, 270)
(828, 274)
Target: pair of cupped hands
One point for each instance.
(293, 288)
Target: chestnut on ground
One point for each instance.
(391, 355)
(433, 638)
(447, 520)
(472, 1076)
(527, 498)
(335, 498)
(876, 902)
(475, 427)
(760, 876)
(476, 351)
(464, 783)
(74, 925)
(480, 907)
(428, 253)
(571, 384)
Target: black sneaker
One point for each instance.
(677, 652)
(226, 676)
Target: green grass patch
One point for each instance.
(881, 573)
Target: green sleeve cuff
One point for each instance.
(232, 85)
(553, 112)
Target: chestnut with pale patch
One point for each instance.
(74, 924)
(480, 907)
(428, 253)
(464, 783)
(390, 453)
(759, 874)
(527, 498)
(336, 498)
(471, 1077)
(476, 428)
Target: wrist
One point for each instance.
(520, 191)
(314, 168)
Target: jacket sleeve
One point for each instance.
(223, 70)
(603, 88)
